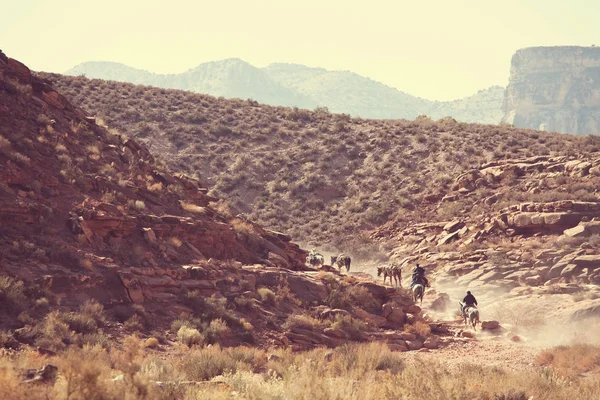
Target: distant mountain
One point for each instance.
(305, 87)
(231, 78)
(483, 107)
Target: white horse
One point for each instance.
(315, 259)
(470, 315)
(418, 291)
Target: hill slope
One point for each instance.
(321, 177)
(305, 87)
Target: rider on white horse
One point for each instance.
(418, 277)
(469, 301)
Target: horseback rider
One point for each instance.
(418, 277)
(469, 301)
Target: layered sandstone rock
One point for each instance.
(554, 89)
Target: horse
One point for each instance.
(471, 313)
(397, 274)
(393, 272)
(315, 259)
(418, 291)
(342, 260)
(386, 272)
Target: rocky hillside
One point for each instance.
(99, 241)
(555, 89)
(523, 256)
(321, 177)
(305, 87)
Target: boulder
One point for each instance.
(448, 238)
(334, 313)
(370, 319)
(20, 69)
(431, 343)
(576, 231)
(337, 333)
(490, 325)
(396, 317)
(378, 291)
(441, 303)
(397, 347)
(386, 310)
(409, 336)
(412, 309)
(570, 270)
(591, 261)
(414, 344)
(278, 260)
(150, 237)
(453, 226)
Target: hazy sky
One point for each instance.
(439, 50)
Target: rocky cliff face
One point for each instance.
(555, 89)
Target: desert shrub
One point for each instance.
(12, 295)
(244, 302)
(216, 331)
(133, 316)
(206, 363)
(135, 323)
(80, 322)
(362, 298)
(352, 326)
(303, 321)
(297, 114)
(54, 333)
(186, 320)
(151, 343)
(284, 293)
(190, 336)
(266, 295)
(94, 339)
(420, 328)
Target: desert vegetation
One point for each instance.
(315, 175)
(368, 371)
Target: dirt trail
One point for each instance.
(488, 352)
(536, 321)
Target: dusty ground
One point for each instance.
(489, 352)
(532, 319)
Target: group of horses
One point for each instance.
(470, 314)
(340, 261)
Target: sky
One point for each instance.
(438, 50)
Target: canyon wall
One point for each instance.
(554, 89)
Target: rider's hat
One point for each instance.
(468, 292)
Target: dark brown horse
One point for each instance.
(342, 260)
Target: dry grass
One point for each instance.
(571, 361)
(365, 371)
